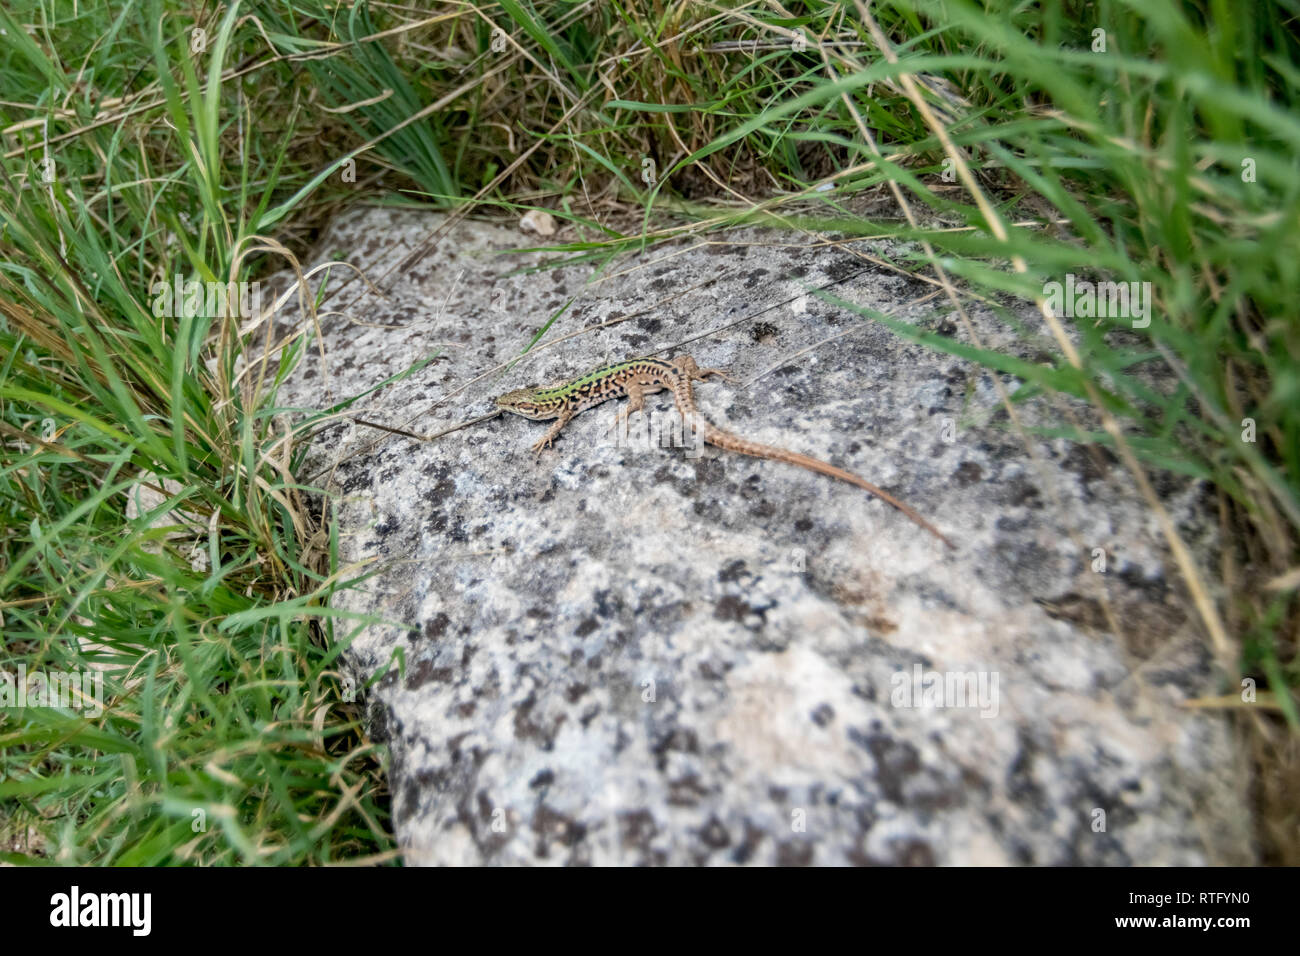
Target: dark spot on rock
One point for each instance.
(732, 608)
(714, 835)
(710, 670)
(378, 722)
(608, 604)
(686, 791)
(914, 853)
(1090, 462)
(896, 761)
(972, 780)
(967, 473)
(441, 491)
(544, 778)
(1009, 525)
(1167, 483)
(551, 826)
(733, 572)
(1020, 491)
(356, 479)
(762, 332)
(680, 739)
(1085, 612)
(754, 278)
(842, 268)
(744, 852)
(526, 728)
(637, 830)
(1020, 776)
(1154, 588)
(409, 801)
(739, 251)
(485, 807)
(436, 626)
(424, 672)
(823, 715)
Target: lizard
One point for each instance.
(638, 377)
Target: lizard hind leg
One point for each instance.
(635, 403)
(688, 368)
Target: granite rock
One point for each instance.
(621, 654)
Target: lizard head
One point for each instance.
(522, 401)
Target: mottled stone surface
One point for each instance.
(640, 655)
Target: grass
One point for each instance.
(224, 737)
(1162, 151)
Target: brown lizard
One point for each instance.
(637, 378)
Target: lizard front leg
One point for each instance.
(546, 440)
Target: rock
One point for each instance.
(537, 221)
(617, 655)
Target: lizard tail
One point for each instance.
(716, 436)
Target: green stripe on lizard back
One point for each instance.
(593, 380)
